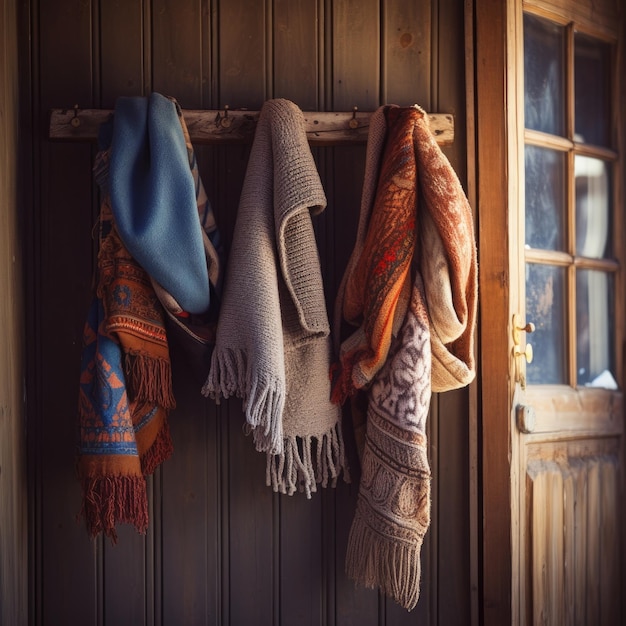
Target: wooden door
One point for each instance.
(557, 289)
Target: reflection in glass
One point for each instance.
(545, 198)
(595, 335)
(592, 207)
(544, 74)
(592, 93)
(545, 307)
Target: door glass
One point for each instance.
(592, 207)
(545, 198)
(544, 74)
(569, 220)
(594, 329)
(592, 93)
(545, 306)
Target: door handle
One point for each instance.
(529, 327)
(527, 352)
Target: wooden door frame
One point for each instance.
(496, 27)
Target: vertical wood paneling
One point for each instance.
(121, 67)
(354, 79)
(221, 547)
(177, 50)
(450, 520)
(127, 581)
(62, 225)
(609, 543)
(581, 506)
(592, 543)
(573, 513)
(295, 52)
(253, 548)
(242, 54)
(13, 494)
(569, 544)
(406, 46)
(356, 55)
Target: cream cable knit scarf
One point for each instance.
(273, 344)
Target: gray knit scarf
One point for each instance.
(273, 345)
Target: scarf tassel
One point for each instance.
(160, 450)
(149, 379)
(380, 562)
(263, 402)
(307, 462)
(109, 500)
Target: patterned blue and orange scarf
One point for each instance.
(126, 375)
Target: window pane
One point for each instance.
(595, 329)
(592, 207)
(545, 198)
(545, 307)
(544, 75)
(592, 93)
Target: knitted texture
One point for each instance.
(409, 293)
(417, 189)
(393, 507)
(273, 344)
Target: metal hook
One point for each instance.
(354, 123)
(75, 121)
(225, 121)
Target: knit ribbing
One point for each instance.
(273, 338)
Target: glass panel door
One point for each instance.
(570, 269)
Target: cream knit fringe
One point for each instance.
(380, 562)
(307, 462)
(263, 398)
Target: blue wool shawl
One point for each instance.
(153, 197)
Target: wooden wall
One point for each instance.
(221, 547)
(13, 497)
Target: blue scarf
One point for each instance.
(154, 197)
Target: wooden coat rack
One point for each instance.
(226, 126)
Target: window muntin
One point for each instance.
(569, 219)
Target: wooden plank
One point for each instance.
(547, 543)
(407, 54)
(583, 409)
(581, 505)
(592, 543)
(124, 579)
(121, 65)
(244, 56)
(176, 50)
(301, 560)
(62, 221)
(252, 549)
(449, 520)
(296, 52)
(600, 15)
(14, 559)
(569, 543)
(191, 552)
(226, 126)
(498, 293)
(610, 530)
(355, 54)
